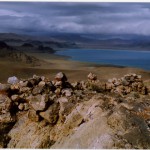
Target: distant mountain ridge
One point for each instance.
(72, 40)
(48, 41)
(108, 41)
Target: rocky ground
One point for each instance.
(43, 113)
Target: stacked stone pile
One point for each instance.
(52, 102)
(126, 84)
(37, 94)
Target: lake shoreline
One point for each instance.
(122, 58)
(50, 64)
(116, 48)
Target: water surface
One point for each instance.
(129, 58)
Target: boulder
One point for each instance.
(92, 76)
(60, 77)
(37, 90)
(128, 83)
(26, 106)
(37, 78)
(6, 118)
(4, 87)
(39, 102)
(34, 81)
(67, 92)
(51, 114)
(15, 98)
(23, 83)
(38, 113)
(5, 104)
(125, 82)
(24, 89)
(33, 116)
(65, 108)
(58, 83)
(15, 87)
(41, 84)
(109, 86)
(13, 80)
(75, 85)
(63, 101)
(29, 134)
(43, 78)
(21, 106)
(58, 91)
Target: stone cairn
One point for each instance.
(40, 97)
(126, 84)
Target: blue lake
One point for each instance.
(131, 58)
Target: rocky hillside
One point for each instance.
(39, 113)
(9, 53)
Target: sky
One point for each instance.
(73, 17)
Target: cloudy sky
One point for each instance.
(47, 17)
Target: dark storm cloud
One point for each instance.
(47, 17)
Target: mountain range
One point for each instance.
(55, 41)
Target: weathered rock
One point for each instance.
(23, 84)
(67, 92)
(34, 81)
(83, 85)
(37, 90)
(128, 83)
(4, 87)
(15, 97)
(92, 76)
(75, 131)
(29, 134)
(75, 85)
(139, 76)
(26, 106)
(125, 82)
(126, 123)
(58, 83)
(43, 78)
(114, 80)
(41, 84)
(63, 101)
(119, 89)
(61, 77)
(24, 95)
(24, 89)
(39, 102)
(5, 104)
(109, 86)
(51, 114)
(33, 116)
(37, 78)
(6, 118)
(13, 80)
(21, 106)
(144, 90)
(49, 87)
(58, 91)
(63, 115)
(15, 87)
(65, 108)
